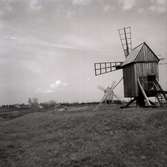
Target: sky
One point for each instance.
(48, 47)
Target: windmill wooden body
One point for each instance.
(140, 71)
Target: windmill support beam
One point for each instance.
(143, 92)
(130, 102)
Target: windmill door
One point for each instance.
(151, 79)
(148, 82)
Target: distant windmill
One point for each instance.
(140, 71)
(109, 94)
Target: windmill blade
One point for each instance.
(162, 58)
(106, 67)
(101, 88)
(112, 85)
(110, 97)
(126, 40)
(115, 95)
(107, 97)
(103, 98)
(100, 103)
(162, 63)
(117, 83)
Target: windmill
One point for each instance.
(140, 71)
(109, 93)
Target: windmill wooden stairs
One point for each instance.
(156, 91)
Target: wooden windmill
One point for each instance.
(109, 93)
(140, 71)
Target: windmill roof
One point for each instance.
(133, 54)
(132, 57)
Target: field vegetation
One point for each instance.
(79, 135)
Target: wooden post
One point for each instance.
(143, 92)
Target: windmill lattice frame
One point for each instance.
(126, 39)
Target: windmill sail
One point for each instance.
(126, 41)
(106, 67)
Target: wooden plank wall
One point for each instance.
(132, 72)
(145, 69)
(146, 55)
(129, 81)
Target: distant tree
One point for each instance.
(52, 103)
(33, 102)
(49, 104)
(29, 101)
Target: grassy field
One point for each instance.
(80, 136)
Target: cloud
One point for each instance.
(35, 4)
(127, 4)
(162, 2)
(79, 42)
(53, 87)
(57, 84)
(81, 2)
(108, 8)
(159, 6)
(141, 10)
(69, 42)
(25, 47)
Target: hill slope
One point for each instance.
(109, 137)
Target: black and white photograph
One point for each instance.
(83, 83)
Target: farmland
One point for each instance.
(76, 136)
